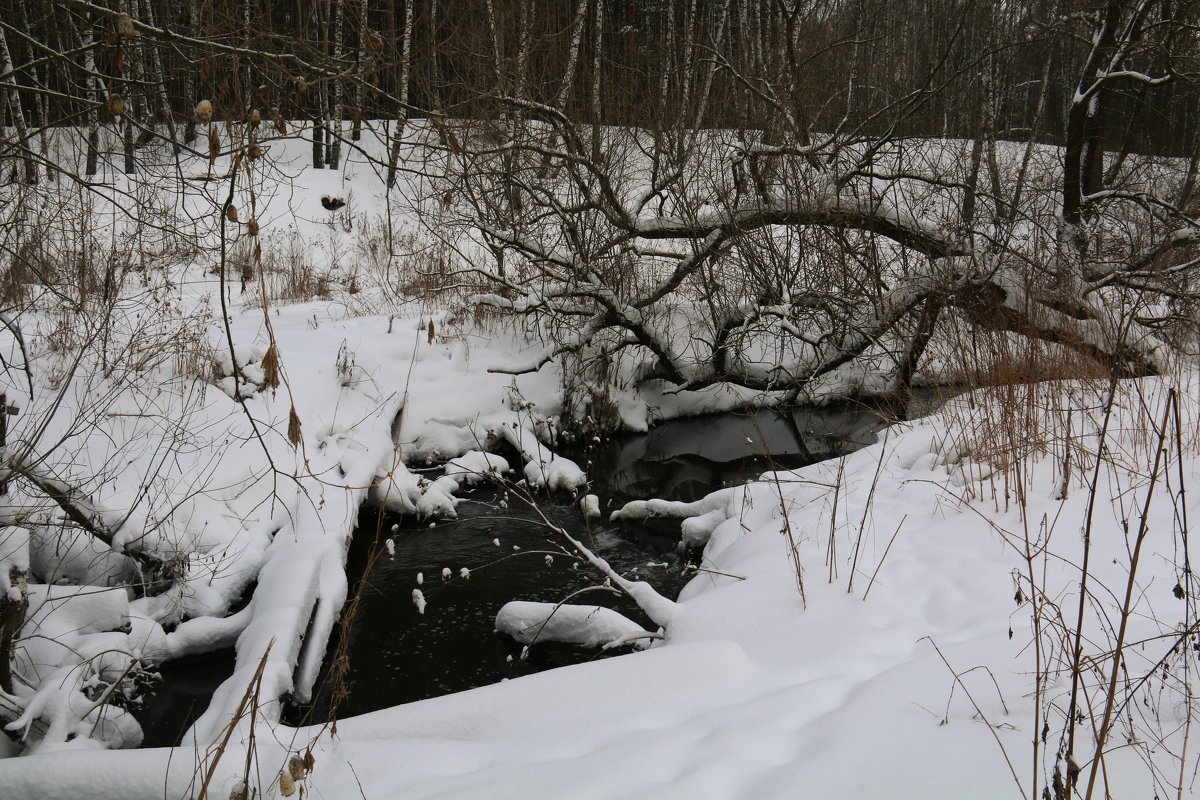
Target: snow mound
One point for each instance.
(579, 625)
(475, 466)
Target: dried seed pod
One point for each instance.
(280, 123)
(214, 144)
(255, 118)
(293, 433)
(116, 105)
(125, 26)
(252, 227)
(270, 368)
(254, 152)
(296, 767)
(203, 112)
(231, 212)
(287, 786)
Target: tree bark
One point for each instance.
(402, 111)
(13, 96)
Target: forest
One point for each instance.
(267, 264)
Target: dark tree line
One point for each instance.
(908, 68)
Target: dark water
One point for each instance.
(181, 696)
(398, 655)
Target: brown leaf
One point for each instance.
(214, 144)
(270, 366)
(294, 428)
(430, 331)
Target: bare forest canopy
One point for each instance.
(810, 184)
(942, 68)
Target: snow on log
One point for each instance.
(543, 467)
(582, 626)
(474, 466)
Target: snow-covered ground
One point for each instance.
(896, 623)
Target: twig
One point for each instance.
(958, 680)
(1127, 605)
(882, 558)
(867, 510)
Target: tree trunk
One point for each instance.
(1084, 153)
(318, 144)
(360, 91)
(160, 85)
(13, 96)
(189, 131)
(597, 52)
(338, 109)
(402, 111)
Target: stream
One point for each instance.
(398, 655)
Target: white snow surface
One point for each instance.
(581, 625)
(755, 691)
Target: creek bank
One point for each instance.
(397, 654)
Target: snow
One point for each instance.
(579, 625)
(14, 558)
(474, 466)
(804, 658)
(590, 506)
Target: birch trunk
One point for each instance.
(360, 91)
(338, 110)
(402, 111)
(13, 97)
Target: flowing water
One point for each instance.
(398, 655)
